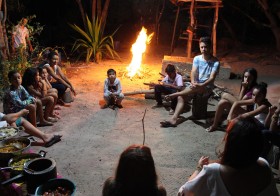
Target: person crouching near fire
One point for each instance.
(112, 90)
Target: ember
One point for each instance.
(137, 49)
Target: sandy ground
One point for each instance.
(94, 138)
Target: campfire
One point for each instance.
(138, 49)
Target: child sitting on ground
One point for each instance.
(112, 90)
(172, 83)
(32, 83)
(17, 98)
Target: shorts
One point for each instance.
(18, 122)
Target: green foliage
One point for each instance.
(93, 43)
(19, 63)
(21, 60)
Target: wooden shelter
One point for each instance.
(193, 6)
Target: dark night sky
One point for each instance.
(55, 15)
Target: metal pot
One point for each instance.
(53, 184)
(35, 173)
(6, 156)
(18, 158)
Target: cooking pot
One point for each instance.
(35, 173)
(53, 185)
(6, 156)
(31, 156)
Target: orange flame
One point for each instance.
(137, 49)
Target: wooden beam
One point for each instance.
(190, 37)
(214, 30)
(174, 29)
(139, 92)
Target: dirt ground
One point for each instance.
(94, 138)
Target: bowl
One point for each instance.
(53, 184)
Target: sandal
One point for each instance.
(166, 124)
(55, 139)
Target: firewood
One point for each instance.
(139, 92)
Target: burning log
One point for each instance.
(139, 92)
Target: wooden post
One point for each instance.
(190, 34)
(174, 30)
(214, 33)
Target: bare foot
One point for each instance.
(57, 107)
(211, 129)
(45, 123)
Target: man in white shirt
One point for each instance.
(20, 36)
(204, 71)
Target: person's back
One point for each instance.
(240, 171)
(111, 189)
(256, 180)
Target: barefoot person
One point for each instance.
(17, 98)
(261, 106)
(249, 81)
(32, 83)
(204, 71)
(57, 78)
(16, 120)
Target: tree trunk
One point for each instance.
(4, 39)
(99, 8)
(79, 2)
(4, 28)
(273, 22)
(93, 10)
(104, 15)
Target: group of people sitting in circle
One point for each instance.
(252, 127)
(36, 97)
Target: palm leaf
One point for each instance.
(92, 41)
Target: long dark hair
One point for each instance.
(136, 173)
(29, 77)
(262, 87)
(51, 54)
(253, 72)
(243, 144)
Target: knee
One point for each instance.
(222, 102)
(50, 99)
(31, 107)
(180, 99)
(121, 96)
(106, 96)
(225, 96)
(54, 95)
(38, 102)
